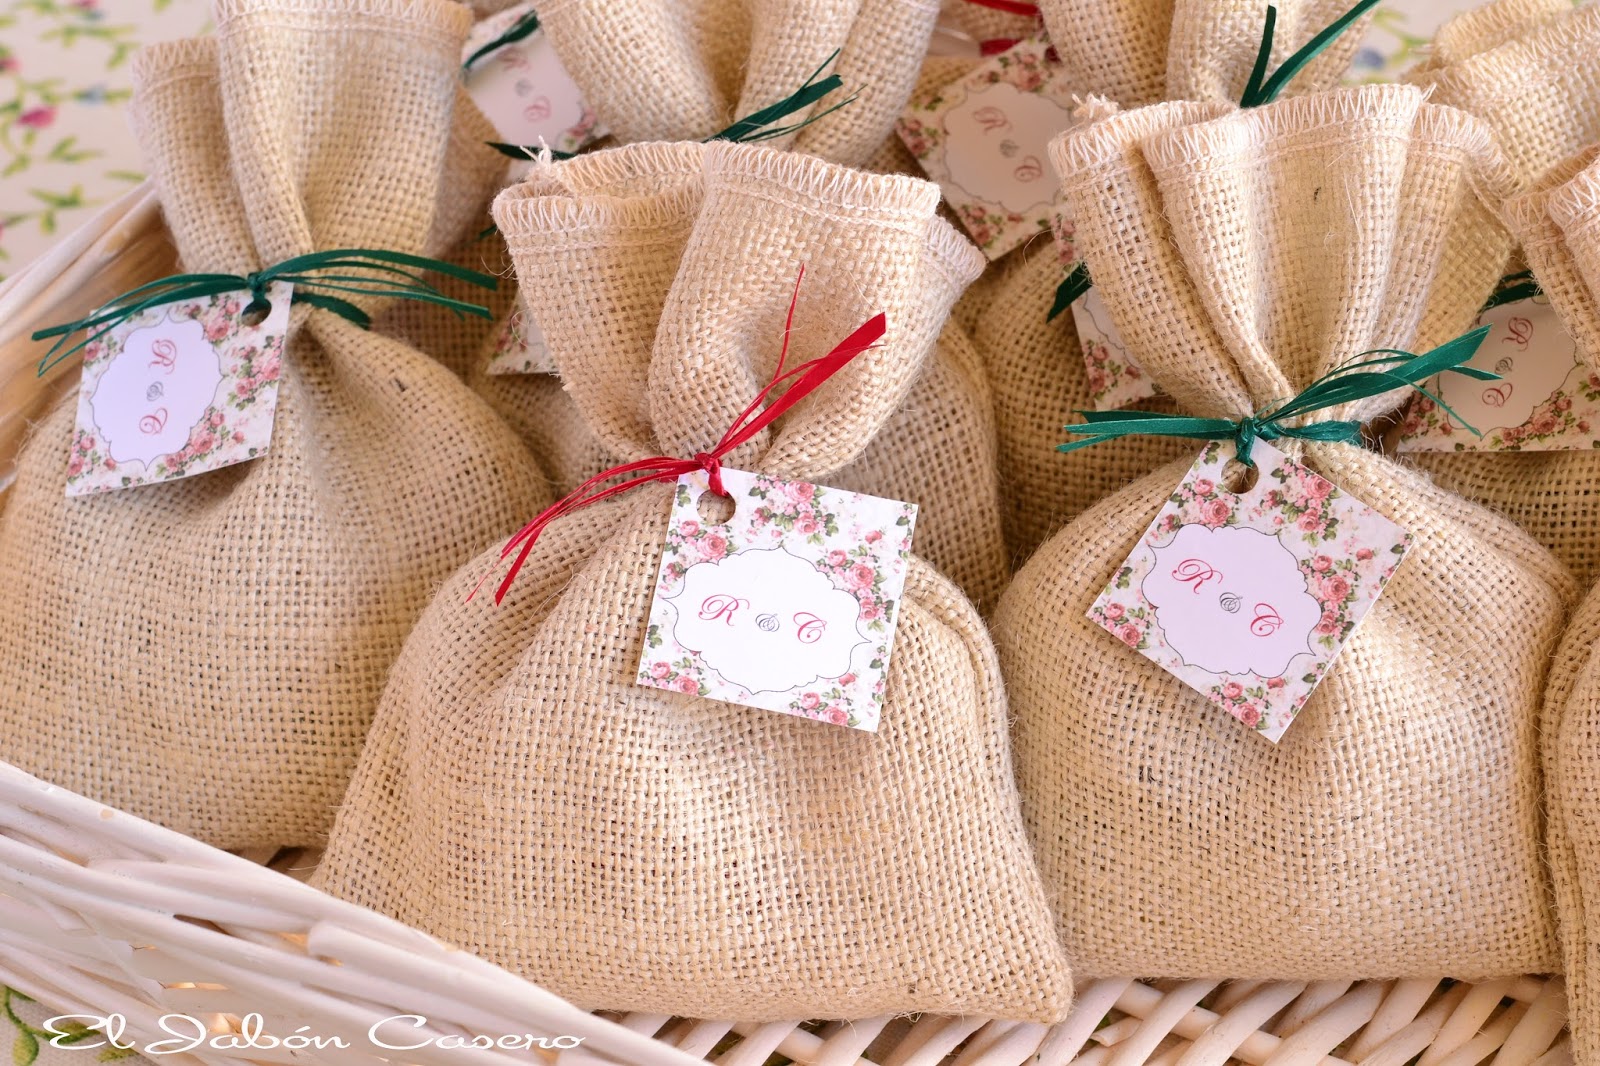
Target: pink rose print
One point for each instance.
(1130, 635)
(716, 546)
(1335, 589)
(690, 528)
(801, 491)
(860, 576)
(1204, 486)
(806, 524)
(1250, 715)
(688, 685)
(1115, 611)
(660, 671)
(847, 680)
(1274, 682)
(1321, 563)
(1310, 522)
(1232, 690)
(836, 715)
(1215, 513)
(1363, 554)
(1319, 488)
(873, 536)
(810, 701)
(837, 558)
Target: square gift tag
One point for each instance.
(788, 605)
(984, 139)
(1546, 398)
(176, 390)
(1248, 597)
(529, 97)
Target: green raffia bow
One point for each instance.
(1513, 287)
(526, 26)
(361, 271)
(1355, 381)
(1260, 89)
(756, 126)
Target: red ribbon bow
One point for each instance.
(752, 420)
(996, 45)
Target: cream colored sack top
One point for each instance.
(668, 70)
(638, 849)
(207, 653)
(1394, 829)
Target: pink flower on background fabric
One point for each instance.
(801, 491)
(660, 671)
(1321, 563)
(837, 558)
(1363, 554)
(1319, 488)
(1329, 625)
(873, 536)
(1115, 611)
(688, 685)
(837, 716)
(870, 611)
(1335, 589)
(1204, 486)
(860, 576)
(37, 117)
(1250, 715)
(689, 528)
(1310, 522)
(1215, 513)
(847, 680)
(810, 701)
(1232, 690)
(716, 546)
(1275, 682)
(806, 524)
(1130, 635)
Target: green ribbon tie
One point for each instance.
(1513, 287)
(316, 277)
(1260, 89)
(1354, 381)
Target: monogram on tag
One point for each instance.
(984, 139)
(789, 605)
(527, 94)
(176, 390)
(1546, 398)
(1248, 598)
(518, 345)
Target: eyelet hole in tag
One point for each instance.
(1238, 478)
(715, 510)
(782, 596)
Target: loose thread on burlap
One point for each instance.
(1260, 89)
(523, 28)
(1512, 288)
(806, 378)
(756, 126)
(315, 277)
(1354, 381)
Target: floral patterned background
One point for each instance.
(65, 145)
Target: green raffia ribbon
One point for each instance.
(524, 27)
(1260, 89)
(756, 126)
(1513, 287)
(1354, 381)
(316, 278)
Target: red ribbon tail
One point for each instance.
(1010, 7)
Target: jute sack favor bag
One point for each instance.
(1560, 230)
(1133, 53)
(1394, 829)
(943, 434)
(1539, 92)
(667, 70)
(217, 644)
(637, 849)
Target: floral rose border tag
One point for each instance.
(1547, 399)
(790, 605)
(517, 345)
(1248, 598)
(528, 96)
(984, 139)
(177, 390)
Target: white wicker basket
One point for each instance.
(101, 913)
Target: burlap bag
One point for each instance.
(208, 653)
(641, 850)
(1394, 830)
(944, 428)
(1535, 81)
(1559, 228)
(684, 69)
(1133, 53)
